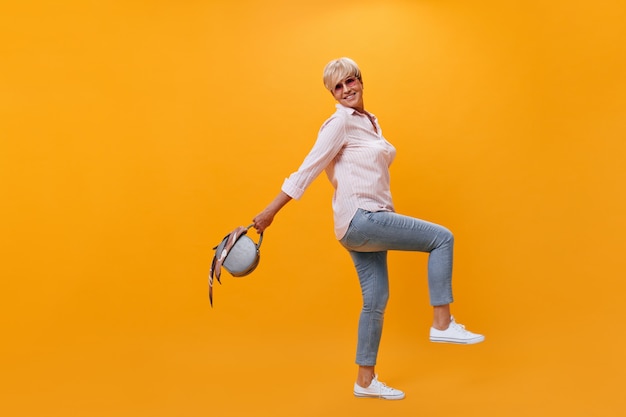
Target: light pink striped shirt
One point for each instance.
(356, 159)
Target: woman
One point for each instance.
(351, 149)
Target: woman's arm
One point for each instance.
(330, 141)
(265, 218)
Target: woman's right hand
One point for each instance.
(263, 220)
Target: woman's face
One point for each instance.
(349, 92)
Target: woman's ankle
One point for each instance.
(365, 376)
(441, 317)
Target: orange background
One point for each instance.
(136, 134)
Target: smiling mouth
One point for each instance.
(349, 97)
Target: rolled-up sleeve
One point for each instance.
(330, 140)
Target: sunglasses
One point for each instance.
(347, 83)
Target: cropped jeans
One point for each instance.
(369, 237)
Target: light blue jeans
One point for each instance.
(369, 237)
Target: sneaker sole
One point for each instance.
(380, 397)
(457, 341)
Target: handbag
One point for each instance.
(237, 253)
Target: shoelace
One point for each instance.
(460, 327)
(383, 388)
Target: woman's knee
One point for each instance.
(376, 303)
(447, 237)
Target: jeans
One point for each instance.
(369, 237)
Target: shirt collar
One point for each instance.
(350, 110)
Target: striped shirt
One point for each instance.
(356, 159)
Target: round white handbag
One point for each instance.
(243, 257)
(237, 253)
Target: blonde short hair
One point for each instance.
(338, 69)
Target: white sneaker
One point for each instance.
(455, 333)
(378, 389)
